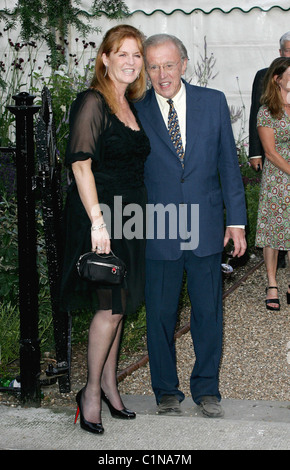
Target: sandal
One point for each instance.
(272, 301)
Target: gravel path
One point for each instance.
(256, 346)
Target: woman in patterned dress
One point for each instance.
(273, 224)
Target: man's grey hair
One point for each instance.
(158, 39)
(283, 39)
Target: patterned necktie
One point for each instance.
(174, 131)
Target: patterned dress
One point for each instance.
(273, 223)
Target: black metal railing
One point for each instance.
(50, 187)
(42, 173)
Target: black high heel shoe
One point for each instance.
(272, 301)
(288, 296)
(96, 428)
(119, 414)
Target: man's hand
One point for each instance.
(256, 163)
(238, 236)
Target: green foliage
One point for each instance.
(9, 335)
(17, 75)
(133, 335)
(64, 84)
(113, 8)
(80, 326)
(252, 181)
(9, 288)
(8, 253)
(134, 330)
(47, 19)
(252, 192)
(44, 25)
(204, 69)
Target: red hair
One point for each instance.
(101, 81)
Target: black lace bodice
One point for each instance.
(118, 153)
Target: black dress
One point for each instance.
(118, 155)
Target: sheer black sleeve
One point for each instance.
(87, 122)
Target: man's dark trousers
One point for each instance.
(164, 281)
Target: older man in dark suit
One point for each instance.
(191, 173)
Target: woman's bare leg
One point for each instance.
(270, 258)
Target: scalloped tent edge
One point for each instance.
(197, 9)
(84, 12)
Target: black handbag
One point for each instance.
(101, 268)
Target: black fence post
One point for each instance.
(50, 189)
(27, 259)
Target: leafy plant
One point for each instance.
(23, 71)
(8, 252)
(44, 24)
(9, 287)
(9, 335)
(64, 84)
(49, 20)
(134, 330)
(252, 192)
(204, 69)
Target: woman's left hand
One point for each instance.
(100, 240)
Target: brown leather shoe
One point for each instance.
(169, 404)
(211, 407)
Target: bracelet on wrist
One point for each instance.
(98, 227)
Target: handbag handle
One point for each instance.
(105, 255)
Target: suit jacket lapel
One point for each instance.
(193, 113)
(156, 121)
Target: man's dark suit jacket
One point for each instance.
(255, 146)
(211, 176)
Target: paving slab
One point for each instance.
(247, 425)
